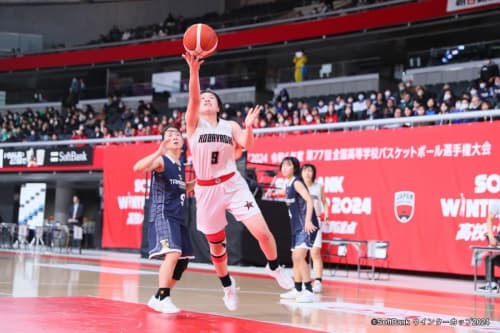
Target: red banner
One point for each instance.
(426, 190)
(124, 195)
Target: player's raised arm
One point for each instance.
(245, 137)
(153, 161)
(194, 92)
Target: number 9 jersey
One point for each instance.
(212, 149)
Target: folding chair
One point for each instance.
(375, 260)
(337, 249)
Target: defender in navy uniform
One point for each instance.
(168, 235)
(304, 226)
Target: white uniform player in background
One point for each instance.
(491, 260)
(219, 186)
(316, 190)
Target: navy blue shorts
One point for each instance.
(303, 239)
(166, 236)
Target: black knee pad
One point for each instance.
(180, 267)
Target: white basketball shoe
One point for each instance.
(163, 306)
(282, 277)
(231, 298)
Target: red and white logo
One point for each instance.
(404, 205)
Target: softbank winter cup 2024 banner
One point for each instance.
(124, 195)
(426, 190)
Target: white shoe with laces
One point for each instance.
(154, 303)
(317, 287)
(291, 294)
(164, 306)
(231, 298)
(282, 277)
(305, 297)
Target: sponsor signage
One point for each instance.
(425, 190)
(57, 156)
(125, 193)
(32, 204)
(455, 5)
(404, 204)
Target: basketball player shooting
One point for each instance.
(219, 186)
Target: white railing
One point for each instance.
(361, 125)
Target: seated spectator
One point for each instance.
(78, 135)
(421, 95)
(447, 96)
(270, 119)
(420, 112)
(239, 117)
(406, 101)
(380, 101)
(388, 95)
(387, 113)
(373, 113)
(359, 107)
(140, 130)
(443, 109)
(431, 107)
(391, 104)
(398, 113)
(97, 133)
(280, 121)
(32, 136)
(340, 104)
(460, 106)
(331, 114)
(348, 115)
(322, 107)
(475, 103)
(485, 106)
(407, 112)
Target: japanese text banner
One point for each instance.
(426, 190)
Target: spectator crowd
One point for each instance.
(116, 119)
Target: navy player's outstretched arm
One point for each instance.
(153, 161)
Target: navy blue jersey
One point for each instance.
(167, 193)
(297, 207)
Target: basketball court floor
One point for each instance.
(104, 291)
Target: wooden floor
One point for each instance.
(106, 292)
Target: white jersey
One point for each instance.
(315, 192)
(212, 149)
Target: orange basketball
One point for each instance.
(200, 40)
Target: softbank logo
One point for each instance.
(404, 206)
